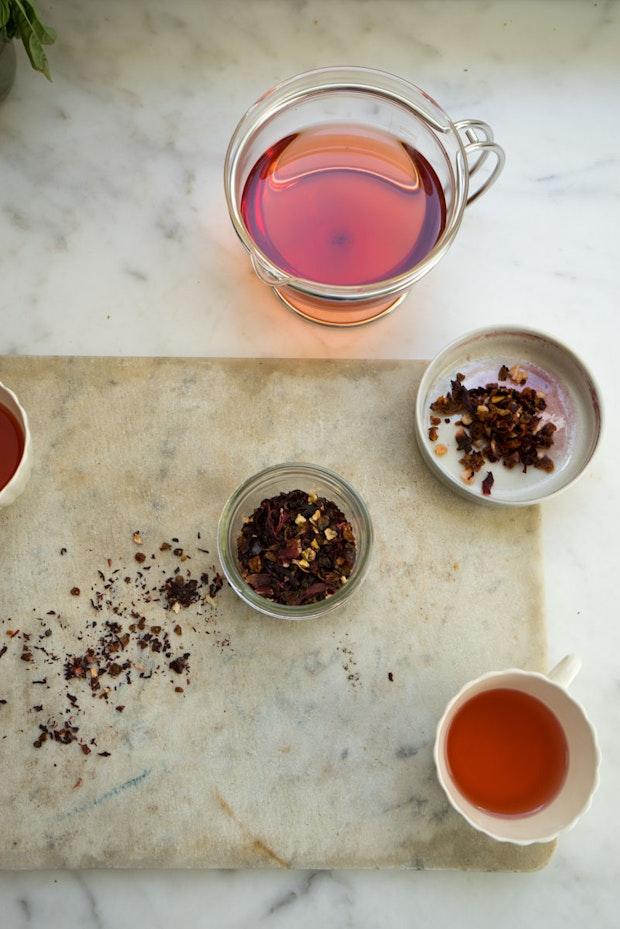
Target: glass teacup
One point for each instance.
(384, 103)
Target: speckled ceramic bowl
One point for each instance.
(11, 491)
(573, 404)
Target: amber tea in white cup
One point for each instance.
(517, 755)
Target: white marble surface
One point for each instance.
(114, 239)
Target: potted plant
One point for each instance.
(19, 18)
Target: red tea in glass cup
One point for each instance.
(346, 185)
(343, 205)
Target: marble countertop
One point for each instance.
(115, 240)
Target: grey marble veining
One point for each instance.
(116, 168)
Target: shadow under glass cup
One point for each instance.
(380, 101)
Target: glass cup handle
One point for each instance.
(479, 136)
(265, 275)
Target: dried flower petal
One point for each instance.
(518, 375)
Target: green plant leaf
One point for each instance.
(5, 13)
(10, 29)
(38, 58)
(45, 34)
(29, 34)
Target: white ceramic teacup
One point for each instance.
(11, 491)
(583, 756)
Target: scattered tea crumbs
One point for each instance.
(64, 733)
(296, 548)
(216, 585)
(180, 664)
(179, 591)
(109, 663)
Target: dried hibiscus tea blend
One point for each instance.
(296, 548)
(497, 423)
(125, 637)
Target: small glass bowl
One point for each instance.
(269, 483)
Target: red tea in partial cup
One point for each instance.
(516, 755)
(15, 447)
(12, 443)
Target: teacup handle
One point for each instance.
(565, 671)
(480, 139)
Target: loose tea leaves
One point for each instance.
(180, 590)
(123, 635)
(296, 548)
(498, 423)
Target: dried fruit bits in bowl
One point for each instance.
(296, 548)
(295, 541)
(507, 416)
